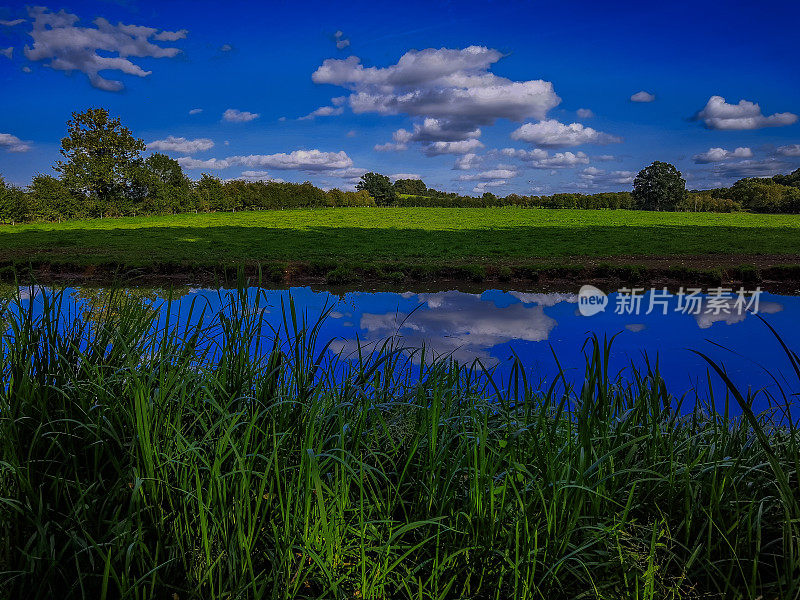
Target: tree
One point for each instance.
(379, 187)
(659, 187)
(14, 204)
(793, 179)
(52, 200)
(412, 187)
(159, 186)
(100, 158)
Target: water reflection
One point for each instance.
(494, 325)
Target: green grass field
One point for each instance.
(425, 236)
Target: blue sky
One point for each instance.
(524, 97)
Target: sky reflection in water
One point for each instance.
(490, 325)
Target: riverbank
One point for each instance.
(402, 245)
(131, 458)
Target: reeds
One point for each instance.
(142, 458)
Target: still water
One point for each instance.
(495, 325)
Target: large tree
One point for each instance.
(659, 187)
(379, 187)
(413, 187)
(100, 158)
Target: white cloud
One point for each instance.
(323, 111)
(437, 136)
(561, 160)
(540, 159)
(491, 175)
(552, 134)
(460, 147)
(731, 171)
(443, 83)
(70, 48)
(718, 114)
(397, 176)
(7, 52)
(389, 147)
(12, 23)
(467, 162)
(643, 97)
(481, 187)
(12, 143)
(195, 111)
(260, 176)
(234, 115)
(302, 160)
(181, 145)
(594, 178)
(171, 36)
(341, 41)
(225, 48)
(713, 155)
(584, 113)
(790, 150)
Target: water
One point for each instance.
(495, 325)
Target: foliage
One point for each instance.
(53, 201)
(767, 196)
(100, 158)
(413, 187)
(706, 202)
(792, 179)
(151, 461)
(379, 187)
(659, 187)
(14, 204)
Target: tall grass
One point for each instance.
(218, 462)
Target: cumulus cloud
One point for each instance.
(467, 162)
(541, 159)
(437, 136)
(11, 143)
(181, 145)
(234, 115)
(713, 155)
(341, 41)
(553, 134)
(260, 176)
(790, 150)
(443, 83)
(460, 147)
(57, 39)
(7, 52)
(225, 48)
(643, 97)
(594, 178)
(718, 114)
(323, 111)
(311, 161)
(491, 175)
(195, 111)
(480, 188)
(397, 176)
(766, 167)
(171, 36)
(12, 23)
(584, 113)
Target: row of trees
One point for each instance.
(102, 173)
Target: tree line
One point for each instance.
(103, 174)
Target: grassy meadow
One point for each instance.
(421, 236)
(143, 466)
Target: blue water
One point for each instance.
(494, 325)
